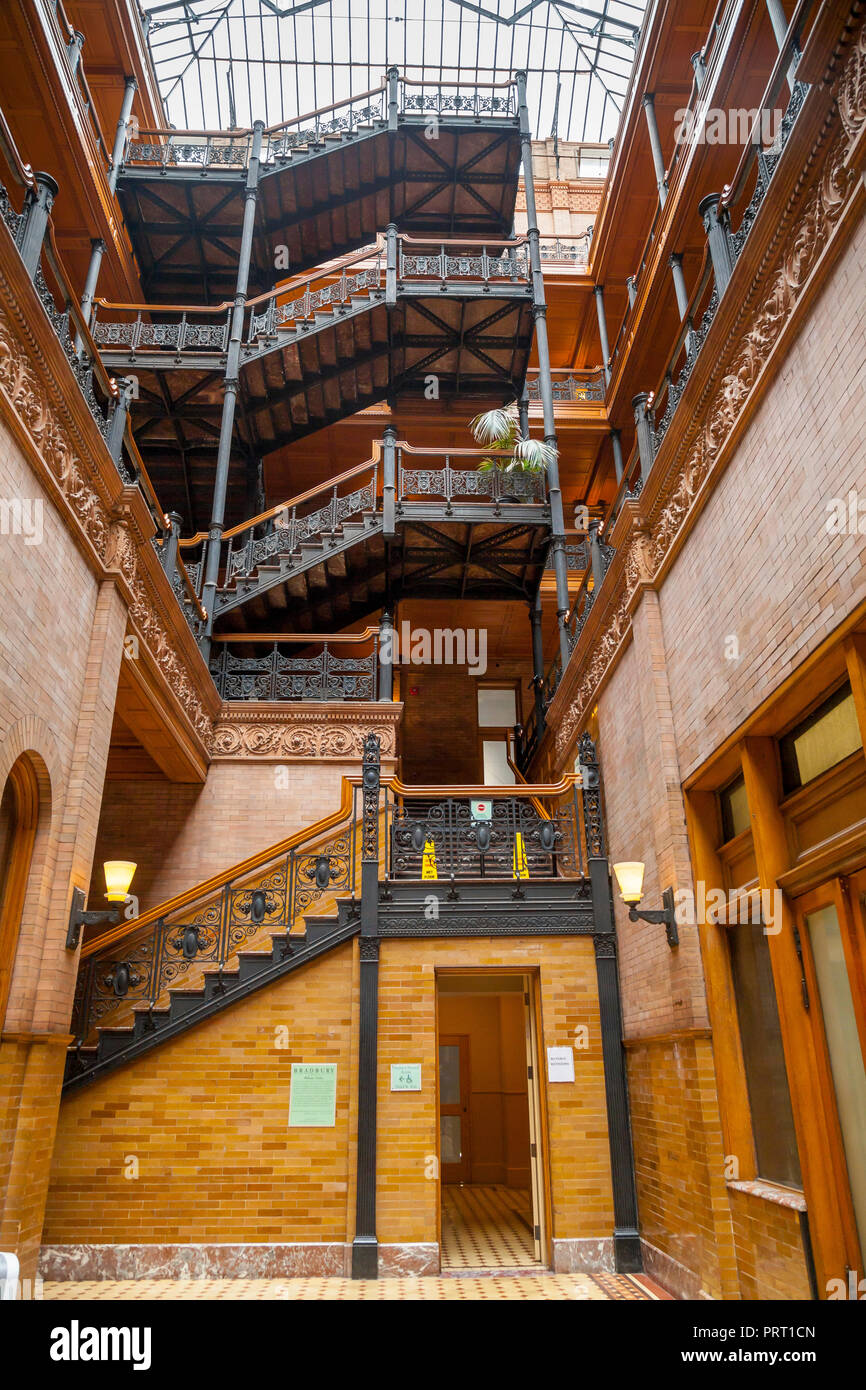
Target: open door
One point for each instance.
(536, 1176)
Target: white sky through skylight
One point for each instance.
(228, 62)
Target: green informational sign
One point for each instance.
(406, 1076)
(313, 1097)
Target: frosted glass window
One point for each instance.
(497, 773)
(821, 741)
(497, 709)
(735, 809)
(843, 1044)
(451, 1138)
(449, 1074)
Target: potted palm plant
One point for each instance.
(499, 431)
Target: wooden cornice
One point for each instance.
(800, 230)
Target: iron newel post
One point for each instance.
(233, 355)
(539, 313)
(365, 1246)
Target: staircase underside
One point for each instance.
(319, 202)
(473, 555)
(474, 347)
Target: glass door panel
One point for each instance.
(454, 1156)
(843, 1045)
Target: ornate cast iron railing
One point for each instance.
(462, 485)
(569, 386)
(359, 277)
(397, 95)
(568, 249)
(540, 832)
(135, 964)
(279, 675)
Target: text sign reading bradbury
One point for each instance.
(313, 1097)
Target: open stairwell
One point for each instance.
(146, 981)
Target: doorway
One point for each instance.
(492, 1195)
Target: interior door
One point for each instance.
(831, 927)
(536, 1169)
(454, 1130)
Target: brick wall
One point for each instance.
(207, 1115)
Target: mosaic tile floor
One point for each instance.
(486, 1228)
(492, 1288)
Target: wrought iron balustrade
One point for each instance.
(289, 525)
(487, 262)
(573, 250)
(276, 675)
(210, 149)
(280, 312)
(137, 969)
(441, 839)
(465, 484)
(202, 330)
(584, 386)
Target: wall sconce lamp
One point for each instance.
(118, 876)
(629, 876)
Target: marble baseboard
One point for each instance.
(75, 1262)
(582, 1256)
(673, 1276)
(408, 1261)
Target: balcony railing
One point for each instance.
(654, 412)
(380, 106)
(319, 673)
(569, 385)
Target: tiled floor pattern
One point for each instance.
(486, 1228)
(491, 1288)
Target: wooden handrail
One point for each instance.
(292, 501)
(166, 308)
(300, 637)
(246, 131)
(475, 793)
(21, 172)
(217, 881)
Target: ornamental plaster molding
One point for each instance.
(304, 733)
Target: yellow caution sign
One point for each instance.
(428, 861)
(521, 866)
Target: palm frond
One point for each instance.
(499, 427)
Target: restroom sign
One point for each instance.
(482, 810)
(406, 1076)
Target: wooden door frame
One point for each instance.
(830, 893)
(24, 784)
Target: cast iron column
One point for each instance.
(224, 449)
(598, 291)
(616, 445)
(539, 313)
(365, 1246)
(389, 483)
(675, 261)
(98, 245)
(718, 239)
(626, 1238)
(632, 291)
(38, 203)
(643, 425)
(386, 656)
(537, 660)
(655, 145)
(780, 29)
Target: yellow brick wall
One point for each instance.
(207, 1114)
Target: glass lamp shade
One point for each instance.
(118, 876)
(629, 876)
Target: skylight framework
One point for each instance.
(224, 63)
